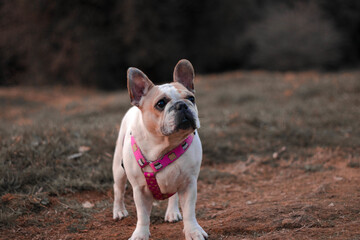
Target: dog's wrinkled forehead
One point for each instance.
(174, 91)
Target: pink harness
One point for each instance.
(159, 164)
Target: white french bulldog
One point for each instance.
(162, 118)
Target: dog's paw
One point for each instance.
(119, 213)
(140, 234)
(195, 233)
(173, 216)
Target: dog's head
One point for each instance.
(169, 108)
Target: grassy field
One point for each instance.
(257, 128)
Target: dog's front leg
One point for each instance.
(192, 230)
(143, 204)
(172, 212)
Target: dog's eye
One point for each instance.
(191, 99)
(160, 105)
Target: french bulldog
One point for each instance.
(162, 117)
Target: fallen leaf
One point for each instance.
(278, 153)
(8, 197)
(75, 155)
(249, 202)
(87, 204)
(83, 149)
(338, 178)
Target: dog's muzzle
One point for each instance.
(184, 118)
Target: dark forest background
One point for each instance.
(93, 42)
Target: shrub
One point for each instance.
(294, 38)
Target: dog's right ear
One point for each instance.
(138, 85)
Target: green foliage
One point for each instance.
(92, 43)
(294, 38)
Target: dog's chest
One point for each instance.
(174, 176)
(178, 174)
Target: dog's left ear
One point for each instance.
(184, 74)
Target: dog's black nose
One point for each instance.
(181, 106)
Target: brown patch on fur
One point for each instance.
(151, 116)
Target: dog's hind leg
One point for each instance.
(172, 212)
(119, 210)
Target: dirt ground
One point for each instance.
(270, 187)
(254, 200)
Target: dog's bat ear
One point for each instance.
(184, 74)
(138, 85)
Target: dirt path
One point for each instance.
(243, 200)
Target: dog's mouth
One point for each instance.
(185, 120)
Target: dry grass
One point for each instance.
(243, 114)
(248, 113)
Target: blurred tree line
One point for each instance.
(93, 42)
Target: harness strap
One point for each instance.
(159, 164)
(154, 186)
